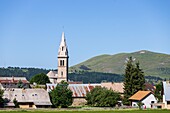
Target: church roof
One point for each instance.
(52, 74)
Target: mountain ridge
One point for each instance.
(152, 63)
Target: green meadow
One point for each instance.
(85, 111)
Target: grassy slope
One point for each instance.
(155, 64)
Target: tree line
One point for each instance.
(21, 72)
(84, 76)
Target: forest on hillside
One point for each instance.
(21, 72)
(97, 77)
(81, 76)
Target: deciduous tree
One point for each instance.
(40, 79)
(102, 97)
(61, 96)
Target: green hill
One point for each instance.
(153, 64)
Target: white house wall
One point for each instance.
(134, 104)
(148, 99)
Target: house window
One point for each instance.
(62, 48)
(152, 102)
(30, 105)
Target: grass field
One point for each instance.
(85, 111)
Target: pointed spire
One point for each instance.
(63, 46)
(63, 42)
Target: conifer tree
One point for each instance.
(1, 99)
(138, 78)
(133, 80)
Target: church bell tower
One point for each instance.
(62, 61)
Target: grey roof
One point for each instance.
(166, 86)
(80, 90)
(37, 96)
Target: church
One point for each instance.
(62, 73)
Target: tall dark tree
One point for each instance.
(138, 79)
(133, 80)
(40, 79)
(1, 99)
(61, 96)
(158, 91)
(20, 84)
(16, 103)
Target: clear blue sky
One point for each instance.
(30, 30)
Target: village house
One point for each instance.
(27, 98)
(145, 97)
(166, 95)
(149, 87)
(12, 82)
(80, 91)
(117, 87)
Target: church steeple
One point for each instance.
(62, 60)
(63, 52)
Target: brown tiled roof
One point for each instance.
(71, 82)
(149, 87)
(118, 87)
(139, 95)
(13, 79)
